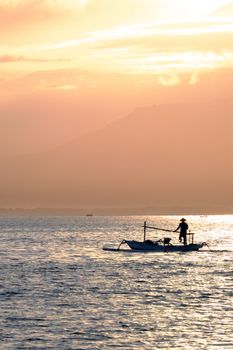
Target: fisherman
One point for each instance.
(183, 226)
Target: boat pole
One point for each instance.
(144, 230)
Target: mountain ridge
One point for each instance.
(130, 163)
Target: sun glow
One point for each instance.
(159, 37)
(191, 8)
(83, 2)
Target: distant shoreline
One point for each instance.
(112, 212)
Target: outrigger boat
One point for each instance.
(161, 245)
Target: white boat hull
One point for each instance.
(161, 245)
(158, 247)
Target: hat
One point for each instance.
(182, 219)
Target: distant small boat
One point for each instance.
(89, 214)
(161, 245)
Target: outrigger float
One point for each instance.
(161, 245)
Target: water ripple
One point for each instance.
(59, 290)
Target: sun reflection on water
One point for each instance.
(57, 282)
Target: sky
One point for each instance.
(165, 38)
(68, 68)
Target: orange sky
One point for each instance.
(70, 67)
(161, 37)
(90, 49)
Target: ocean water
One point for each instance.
(60, 290)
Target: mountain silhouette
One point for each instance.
(164, 156)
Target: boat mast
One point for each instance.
(144, 230)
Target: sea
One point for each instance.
(60, 290)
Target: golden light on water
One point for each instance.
(68, 293)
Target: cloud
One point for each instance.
(149, 48)
(225, 10)
(171, 80)
(194, 79)
(19, 10)
(103, 13)
(138, 34)
(14, 58)
(152, 46)
(58, 87)
(14, 8)
(10, 58)
(20, 14)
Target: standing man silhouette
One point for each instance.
(183, 226)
